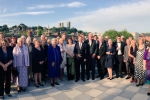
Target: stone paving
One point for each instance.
(116, 89)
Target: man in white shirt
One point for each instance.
(119, 61)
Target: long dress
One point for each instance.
(147, 58)
(23, 76)
(37, 55)
(110, 58)
(54, 55)
(133, 53)
(139, 73)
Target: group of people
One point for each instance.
(23, 60)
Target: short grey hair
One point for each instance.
(23, 36)
(19, 39)
(53, 39)
(28, 39)
(101, 37)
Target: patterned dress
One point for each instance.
(23, 76)
(139, 72)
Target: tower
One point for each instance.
(68, 25)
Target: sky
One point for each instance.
(87, 15)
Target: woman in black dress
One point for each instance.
(110, 53)
(45, 65)
(38, 61)
(6, 59)
(132, 55)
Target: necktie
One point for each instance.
(90, 43)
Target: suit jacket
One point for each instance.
(126, 57)
(91, 49)
(82, 51)
(122, 48)
(102, 50)
(18, 56)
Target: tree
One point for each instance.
(63, 29)
(54, 29)
(80, 31)
(23, 26)
(39, 32)
(5, 29)
(40, 27)
(125, 33)
(113, 34)
(74, 30)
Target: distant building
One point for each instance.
(62, 24)
(59, 25)
(135, 35)
(68, 25)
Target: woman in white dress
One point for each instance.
(63, 54)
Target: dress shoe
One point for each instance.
(97, 76)
(76, 80)
(56, 83)
(101, 78)
(148, 94)
(93, 78)
(52, 84)
(9, 95)
(128, 77)
(41, 84)
(117, 76)
(88, 78)
(83, 80)
(121, 76)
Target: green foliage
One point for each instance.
(24, 33)
(113, 34)
(54, 29)
(80, 31)
(5, 29)
(40, 32)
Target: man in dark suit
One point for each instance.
(80, 59)
(91, 56)
(119, 56)
(101, 51)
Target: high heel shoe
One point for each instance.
(52, 84)
(137, 85)
(19, 91)
(36, 86)
(41, 84)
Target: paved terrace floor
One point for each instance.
(116, 89)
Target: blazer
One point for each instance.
(126, 57)
(122, 48)
(81, 51)
(9, 56)
(102, 50)
(18, 56)
(91, 49)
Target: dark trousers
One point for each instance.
(5, 77)
(70, 77)
(119, 65)
(90, 64)
(101, 67)
(80, 62)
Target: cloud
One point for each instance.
(132, 16)
(71, 5)
(26, 13)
